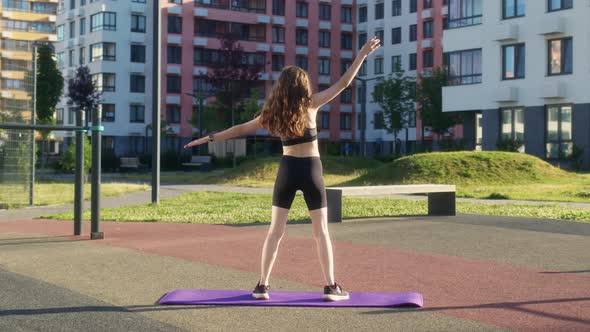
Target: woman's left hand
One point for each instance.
(196, 142)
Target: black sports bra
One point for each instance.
(309, 135)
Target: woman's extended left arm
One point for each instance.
(235, 131)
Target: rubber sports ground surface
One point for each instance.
(476, 273)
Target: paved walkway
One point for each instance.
(477, 273)
(173, 190)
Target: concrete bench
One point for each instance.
(441, 197)
(130, 163)
(204, 162)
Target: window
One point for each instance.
(560, 56)
(346, 96)
(413, 32)
(324, 66)
(324, 120)
(104, 81)
(301, 37)
(71, 58)
(379, 34)
(138, 53)
(427, 59)
(174, 54)
(136, 113)
(278, 62)
(362, 14)
(413, 6)
(513, 61)
(346, 41)
(478, 131)
(411, 119)
(427, 4)
(278, 35)
(396, 63)
(103, 51)
(59, 116)
(137, 23)
(396, 8)
(82, 56)
(301, 62)
(428, 29)
(379, 10)
(82, 26)
(103, 21)
(396, 35)
(363, 69)
(378, 66)
(82, 3)
(560, 4)
(301, 9)
(325, 12)
(175, 24)
(464, 67)
(60, 32)
(72, 4)
(60, 59)
(344, 65)
(173, 113)
(378, 121)
(464, 13)
(137, 83)
(512, 126)
(173, 84)
(345, 121)
(346, 15)
(278, 7)
(413, 62)
(108, 112)
(203, 85)
(513, 8)
(559, 131)
(72, 29)
(324, 40)
(362, 39)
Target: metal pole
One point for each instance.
(233, 139)
(34, 122)
(95, 233)
(156, 56)
(363, 117)
(78, 187)
(200, 149)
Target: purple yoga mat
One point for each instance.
(290, 299)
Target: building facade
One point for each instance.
(517, 70)
(114, 39)
(315, 35)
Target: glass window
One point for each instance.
(324, 40)
(362, 39)
(324, 66)
(512, 125)
(278, 35)
(428, 29)
(103, 51)
(378, 66)
(396, 35)
(362, 14)
(346, 15)
(560, 4)
(560, 56)
(301, 37)
(396, 63)
(173, 84)
(379, 34)
(104, 82)
(513, 59)
(136, 113)
(103, 21)
(413, 6)
(464, 13)
(137, 23)
(559, 143)
(325, 12)
(278, 62)
(60, 32)
(82, 56)
(413, 32)
(346, 41)
(138, 53)
(396, 7)
(346, 96)
(175, 24)
(378, 121)
(174, 54)
(173, 113)
(379, 10)
(278, 7)
(301, 62)
(108, 112)
(137, 83)
(427, 4)
(478, 131)
(301, 9)
(411, 116)
(324, 120)
(71, 58)
(82, 26)
(413, 61)
(72, 29)
(464, 67)
(345, 121)
(363, 69)
(203, 85)
(344, 65)
(513, 8)
(427, 59)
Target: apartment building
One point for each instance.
(518, 71)
(395, 23)
(315, 35)
(23, 24)
(114, 39)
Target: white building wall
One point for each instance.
(534, 29)
(386, 52)
(122, 67)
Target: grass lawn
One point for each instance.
(230, 208)
(51, 193)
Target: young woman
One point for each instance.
(290, 113)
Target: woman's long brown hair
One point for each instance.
(285, 112)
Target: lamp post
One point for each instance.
(156, 56)
(199, 97)
(363, 122)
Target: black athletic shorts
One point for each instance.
(303, 174)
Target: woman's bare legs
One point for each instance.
(271, 244)
(319, 220)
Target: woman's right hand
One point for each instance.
(370, 46)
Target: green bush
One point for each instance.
(67, 161)
(508, 145)
(497, 196)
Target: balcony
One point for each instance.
(249, 6)
(240, 31)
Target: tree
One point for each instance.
(231, 77)
(395, 96)
(50, 84)
(82, 92)
(429, 96)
